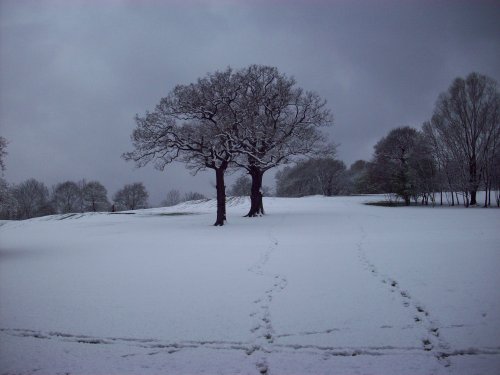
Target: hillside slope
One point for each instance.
(316, 286)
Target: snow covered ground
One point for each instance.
(317, 286)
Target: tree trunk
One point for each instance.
(489, 194)
(221, 196)
(256, 205)
(486, 194)
(473, 201)
(473, 181)
(407, 199)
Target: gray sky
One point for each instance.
(74, 73)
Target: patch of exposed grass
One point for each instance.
(385, 204)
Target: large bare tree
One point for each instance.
(467, 120)
(191, 125)
(277, 122)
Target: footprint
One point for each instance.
(252, 349)
(262, 367)
(427, 345)
(421, 310)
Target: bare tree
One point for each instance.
(495, 179)
(131, 197)
(7, 200)
(66, 197)
(466, 119)
(94, 196)
(3, 153)
(449, 176)
(32, 199)
(241, 187)
(277, 122)
(8, 203)
(191, 125)
(490, 164)
(173, 198)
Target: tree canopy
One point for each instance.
(255, 118)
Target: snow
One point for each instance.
(316, 286)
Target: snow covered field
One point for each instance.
(317, 286)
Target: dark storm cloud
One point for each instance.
(73, 74)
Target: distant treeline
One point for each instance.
(323, 176)
(455, 155)
(32, 198)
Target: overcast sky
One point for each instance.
(74, 73)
